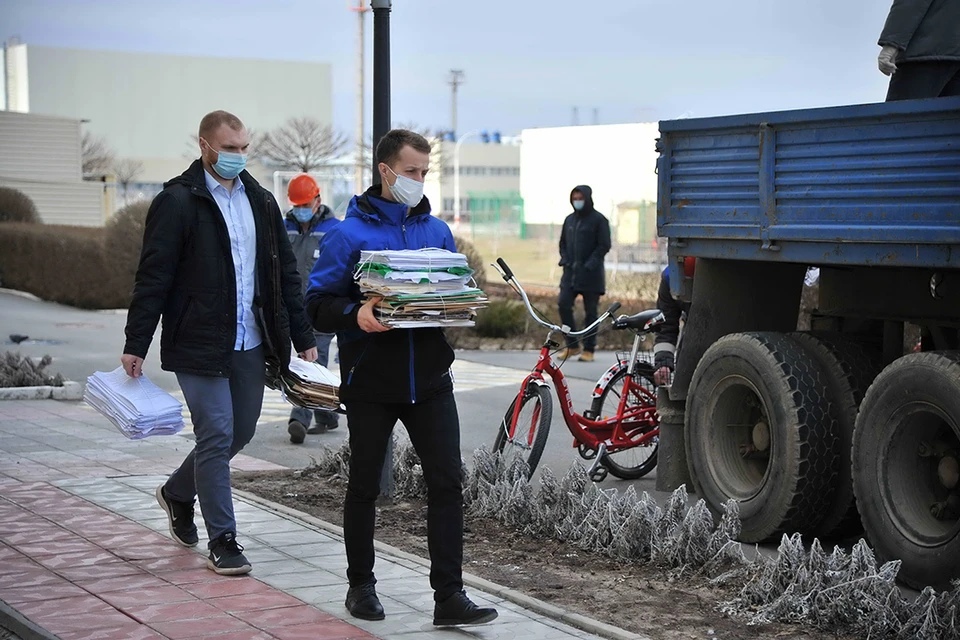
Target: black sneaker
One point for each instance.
(297, 431)
(180, 518)
(363, 603)
(226, 556)
(317, 428)
(458, 609)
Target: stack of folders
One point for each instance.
(308, 385)
(135, 406)
(420, 288)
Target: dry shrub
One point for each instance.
(123, 243)
(474, 259)
(16, 206)
(58, 263)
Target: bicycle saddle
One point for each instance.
(645, 321)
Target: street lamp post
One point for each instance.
(456, 178)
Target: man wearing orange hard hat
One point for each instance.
(307, 222)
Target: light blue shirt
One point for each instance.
(238, 214)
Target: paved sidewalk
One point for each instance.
(85, 553)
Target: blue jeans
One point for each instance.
(224, 413)
(325, 418)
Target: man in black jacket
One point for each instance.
(217, 266)
(921, 49)
(584, 241)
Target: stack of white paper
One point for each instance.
(135, 406)
(420, 288)
(310, 385)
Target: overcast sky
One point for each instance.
(527, 62)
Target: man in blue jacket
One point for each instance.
(307, 222)
(394, 374)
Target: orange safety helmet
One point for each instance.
(302, 189)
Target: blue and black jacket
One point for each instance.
(396, 366)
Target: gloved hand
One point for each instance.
(887, 60)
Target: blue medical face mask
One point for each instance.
(578, 204)
(228, 165)
(303, 214)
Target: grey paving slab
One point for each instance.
(297, 579)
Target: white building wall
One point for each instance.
(41, 157)
(148, 106)
(484, 167)
(618, 161)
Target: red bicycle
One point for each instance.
(620, 431)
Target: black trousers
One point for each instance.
(434, 429)
(915, 80)
(591, 301)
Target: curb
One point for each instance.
(527, 602)
(20, 294)
(69, 391)
(15, 622)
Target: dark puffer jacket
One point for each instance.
(186, 275)
(923, 30)
(584, 241)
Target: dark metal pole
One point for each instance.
(381, 124)
(381, 76)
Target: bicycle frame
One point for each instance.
(615, 431)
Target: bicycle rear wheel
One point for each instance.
(531, 430)
(638, 461)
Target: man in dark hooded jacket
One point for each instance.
(584, 241)
(921, 49)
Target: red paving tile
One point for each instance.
(332, 630)
(141, 580)
(252, 634)
(59, 624)
(111, 570)
(227, 587)
(53, 591)
(57, 547)
(285, 617)
(255, 601)
(28, 579)
(47, 534)
(98, 557)
(192, 576)
(23, 564)
(64, 607)
(197, 628)
(149, 614)
(136, 598)
(174, 563)
(133, 631)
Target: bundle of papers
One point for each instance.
(308, 385)
(420, 288)
(135, 406)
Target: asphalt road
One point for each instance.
(81, 342)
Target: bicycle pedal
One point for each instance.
(599, 474)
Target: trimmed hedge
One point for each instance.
(16, 206)
(58, 263)
(123, 242)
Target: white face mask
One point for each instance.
(406, 190)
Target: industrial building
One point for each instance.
(147, 106)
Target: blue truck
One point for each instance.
(845, 428)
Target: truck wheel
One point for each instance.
(849, 368)
(906, 466)
(758, 430)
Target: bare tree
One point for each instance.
(301, 144)
(96, 155)
(127, 170)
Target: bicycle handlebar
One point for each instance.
(511, 279)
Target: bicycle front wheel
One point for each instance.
(639, 460)
(529, 429)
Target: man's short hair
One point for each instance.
(388, 150)
(215, 119)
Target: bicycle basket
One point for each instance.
(642, 356)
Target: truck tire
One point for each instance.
(850, 369)
(758, 430)
(906, 449)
